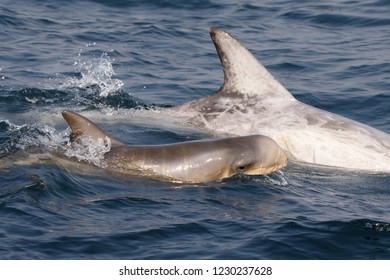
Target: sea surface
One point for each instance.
(118, 62)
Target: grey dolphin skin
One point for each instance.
(252, 101)
(192, 161)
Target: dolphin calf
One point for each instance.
(252, 101)
(193, 161)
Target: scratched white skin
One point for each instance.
(251, 101)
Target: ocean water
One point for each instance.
(114, 61)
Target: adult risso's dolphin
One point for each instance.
(193, 161)
(251, 101)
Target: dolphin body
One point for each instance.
(193, 161)
(251, 101)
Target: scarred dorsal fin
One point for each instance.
(244, 74)
(82, 126)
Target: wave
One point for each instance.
(302, 238)
(198, 4)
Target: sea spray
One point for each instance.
(95, 73)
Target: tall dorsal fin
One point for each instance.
(243, 73)
(82, 126)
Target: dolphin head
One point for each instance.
(259, 155)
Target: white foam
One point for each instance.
(89, 150)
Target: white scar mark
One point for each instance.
(252, 101)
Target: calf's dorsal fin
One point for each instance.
(82, 126)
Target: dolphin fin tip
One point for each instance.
(214, 32)
(66, 114)
(214, 29)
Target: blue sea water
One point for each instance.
(112, 59)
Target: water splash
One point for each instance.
(29, 137)
(89, 150)
(277, 179)
(96, 74)
(22, 137)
